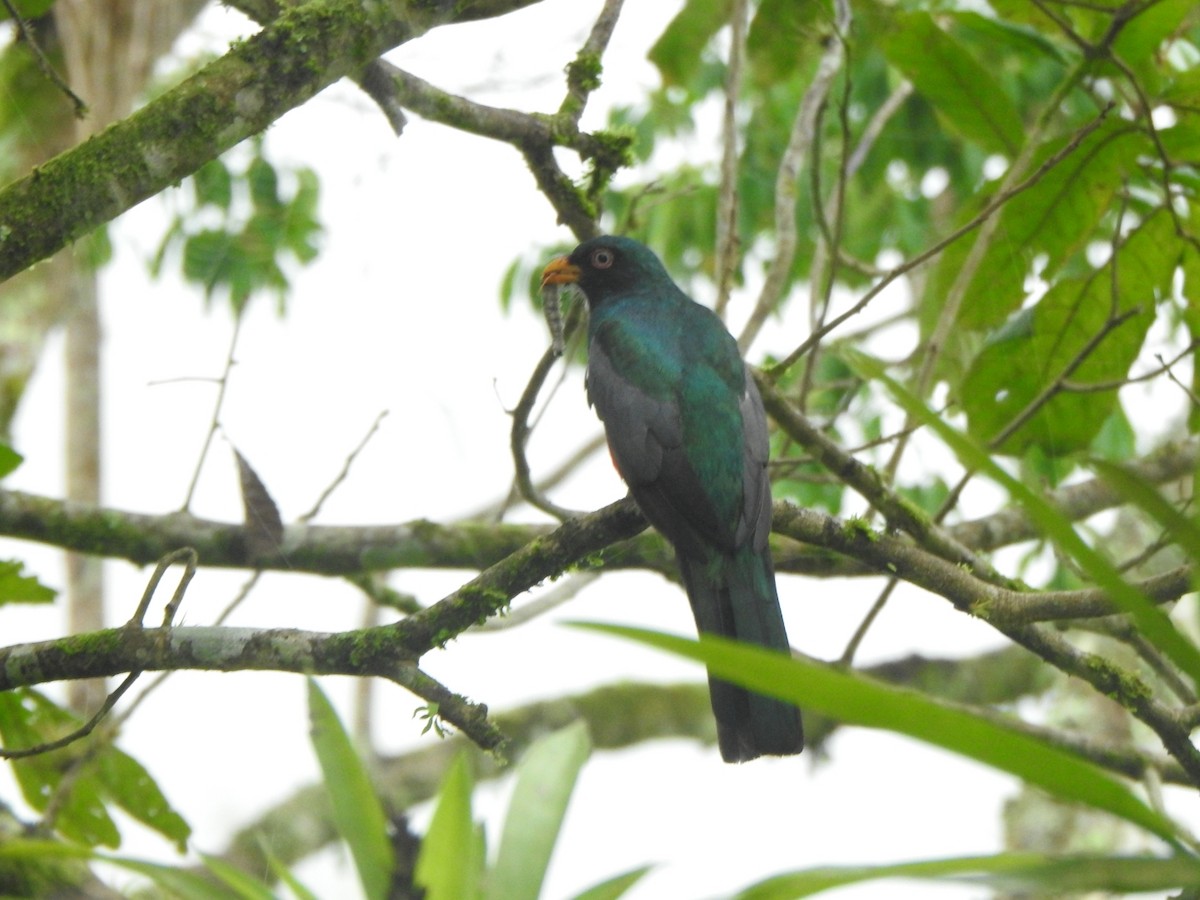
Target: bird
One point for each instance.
(687, 432)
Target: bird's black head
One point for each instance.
(606, 267)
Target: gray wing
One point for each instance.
(645, 437)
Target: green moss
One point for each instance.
(583, 72)
(367, 645)
(98, 643)
(856, 527)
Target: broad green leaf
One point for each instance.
(1151, 621)
(1138, 41)
(107, 776)
(856, 700)
(545, 779)
(677, 52)
(1067, 335)
(129, 785)
(450, 865)
(964, 93)
(240, 883)
(785, 35)
(615, 887)
(1050, 221)
(1036, 873)
(18, 588)
(357, 811)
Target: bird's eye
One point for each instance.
(602, 258)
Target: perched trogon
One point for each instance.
(687, 432)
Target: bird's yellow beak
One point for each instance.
(560, 270)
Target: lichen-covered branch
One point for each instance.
(307, 48)
(353, 550)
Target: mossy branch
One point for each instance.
(307, 48)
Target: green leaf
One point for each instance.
(241, 884)
(9, 460)
(130, 787)
(545, 779)
(106, 775)
(357, 811)
(284, 874)
(1051, 221)
(29, 9)
(615, 887)
(213, 185)
(450, 865)
(264, 184)
(1151, 621)
(1067, 335)
(677, 52)
(782, 36)
(856, 700)
(208, 256)
(18, 588)
(1035, 873)
(1139, 40)
(964, 93)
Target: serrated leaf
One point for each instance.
(450, 865)
(677, 52)
(1035, 873)
(545, 779)
(357, 811)
(964, 93)
(18, 588)
(856, 700)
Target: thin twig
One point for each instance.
(215, 423)
(26, 31)
(345, 472)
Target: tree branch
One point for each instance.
(306, 49)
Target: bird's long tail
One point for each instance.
(735, 597)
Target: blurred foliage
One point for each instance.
(257, 227)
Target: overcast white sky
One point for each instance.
(401, 313)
